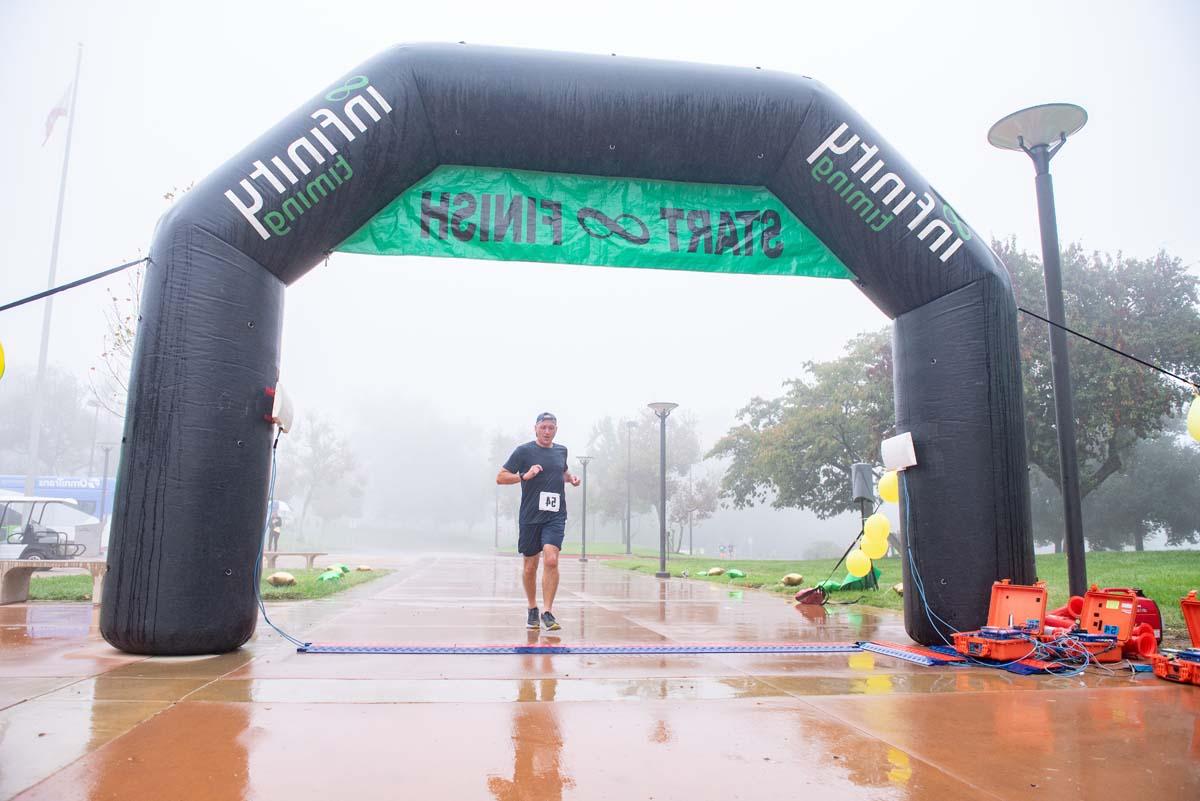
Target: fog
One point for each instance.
(419, 364)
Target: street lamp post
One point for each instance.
(691, 542)
(691, 509)
(629, 426)
(662, 410)
(583, 460)
(1040, 132)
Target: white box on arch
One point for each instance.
(898, 452)
(283, 413)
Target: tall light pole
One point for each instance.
(1040, 132)
(691, 509)
(691, 542)
(583, 460)
(661, 411)
(629, 426)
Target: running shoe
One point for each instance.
(532, 621)
(549, 622)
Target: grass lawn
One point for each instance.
(79, 587)
(49, 587)
(571, 548)
(1165, 576)
(307, 586)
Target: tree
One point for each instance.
(1154, 494)
(110, 379)
(796, 450)
(690, 502)
(67, 425)
(607, 473)
(506, 504)
(1145, 307)
(318, 471)
(431, 476)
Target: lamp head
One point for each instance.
(662, 408)
(1047, 124)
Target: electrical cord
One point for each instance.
(1070, 657)
(262, 545)
(915, 573)
(1143, 362)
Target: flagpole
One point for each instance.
(35, 427)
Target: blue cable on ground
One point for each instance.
(583, 648)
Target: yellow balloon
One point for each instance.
(1, 361)
(857, 563)
(876, 527)
(1193, 413)
(875, 549)
(889, 487)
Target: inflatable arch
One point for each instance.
(491, 153)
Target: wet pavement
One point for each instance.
(79, 720)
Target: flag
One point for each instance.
(59, 110)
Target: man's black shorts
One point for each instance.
(534, 537)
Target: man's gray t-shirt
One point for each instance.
(542, 497)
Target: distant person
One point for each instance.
(540, 467)
(274, 530)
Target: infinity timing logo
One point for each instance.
(303, 157)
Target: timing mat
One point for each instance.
(583, 648)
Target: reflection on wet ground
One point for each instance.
(79, 720)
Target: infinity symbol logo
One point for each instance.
(348, 88)
(964, 233)
(587, 215)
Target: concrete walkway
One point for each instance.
(79, 720)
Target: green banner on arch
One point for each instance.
(516, 215)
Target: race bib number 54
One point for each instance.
(548, 501)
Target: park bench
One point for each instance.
(309, 556)
(15, 573)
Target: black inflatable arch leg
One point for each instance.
(208, 345)
(967, 507)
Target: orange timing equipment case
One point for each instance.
(1106, 622)
(1185, 666)
(1016, 616)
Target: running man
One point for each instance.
(540, 467)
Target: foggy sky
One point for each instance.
(170, 91)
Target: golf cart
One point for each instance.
(30, 528)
